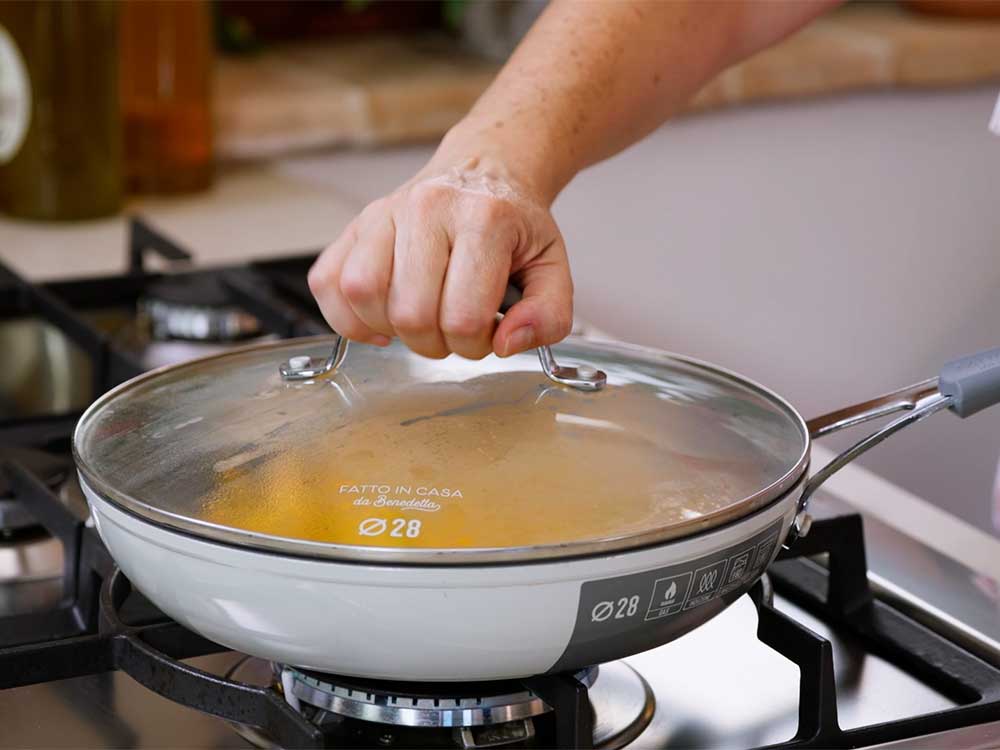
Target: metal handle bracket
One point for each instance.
(306, 368)
(581, 377)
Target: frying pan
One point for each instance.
(602, 582)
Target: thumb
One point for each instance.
(545, 313)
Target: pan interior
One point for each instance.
(397, 455)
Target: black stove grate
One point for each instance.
(272, 291)
(102, 624)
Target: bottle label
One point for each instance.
(15, 98)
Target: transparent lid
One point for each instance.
(398, 458)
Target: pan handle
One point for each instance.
(582, 378)
(965, 386)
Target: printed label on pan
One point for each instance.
(629, 613)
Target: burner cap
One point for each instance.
(51, 469)
(195, 307)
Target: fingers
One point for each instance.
(430, 264)
(367, 271)
(473, 289)
(545, 313)
(419, 262)
(324, 282)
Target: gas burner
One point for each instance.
(416, 704)
(431, 714)
(195, 309)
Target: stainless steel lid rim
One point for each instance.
(457, 576)
(747, 521)
(443, 556)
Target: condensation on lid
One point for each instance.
(398, 458)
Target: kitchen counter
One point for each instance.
(379, 90)
(252, 212)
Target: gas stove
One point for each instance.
(858, 636)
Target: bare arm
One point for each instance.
(429, 263)
(591, 78)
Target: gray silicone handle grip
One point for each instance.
(973, 382)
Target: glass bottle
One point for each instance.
(166, 89)
(60, 127)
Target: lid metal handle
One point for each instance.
(306, 368)
(582, 377)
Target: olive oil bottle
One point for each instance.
(166, 88)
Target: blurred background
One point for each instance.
(823, 219)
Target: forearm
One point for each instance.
(592, 78)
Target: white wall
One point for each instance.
(832, 249)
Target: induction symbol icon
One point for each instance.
(371, 527)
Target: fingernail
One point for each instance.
(523, 338)
(379, 340)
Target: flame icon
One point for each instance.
(671, 593)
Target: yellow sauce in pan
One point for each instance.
(436, 469)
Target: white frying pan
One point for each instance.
(388, 516)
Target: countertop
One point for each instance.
(381, 90)
(252, 211)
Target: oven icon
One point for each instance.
(738, 567)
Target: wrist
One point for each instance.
(514, 157)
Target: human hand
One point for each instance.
(430, 263)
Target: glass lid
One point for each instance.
(396, 458)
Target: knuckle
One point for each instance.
(465, 324)
(432, 352)
(374, 209)
(492, 218)
(319, 280)
(426, 345)
(492, 211)
(353, 330)
(412, 319)
(358, 285)
(426, 198)
(374, 214)
(473, 352)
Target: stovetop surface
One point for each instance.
(716, 687)
(735, 682)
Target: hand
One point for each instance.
(430, 264)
